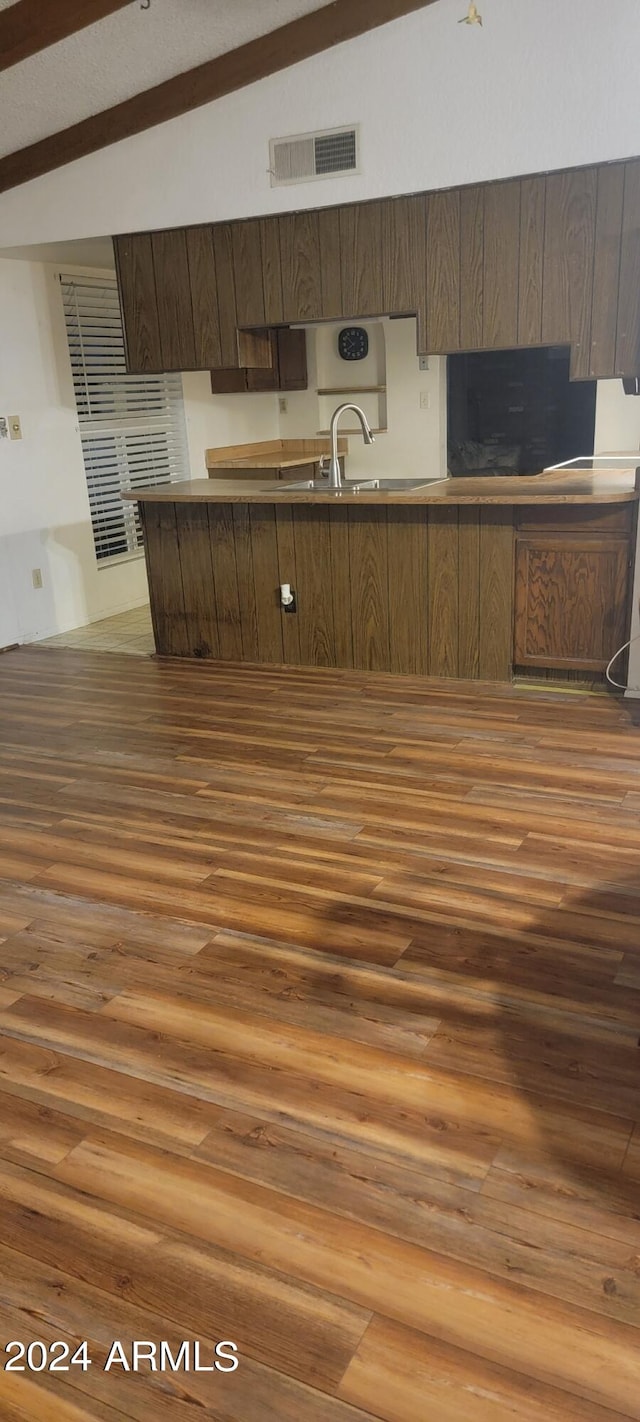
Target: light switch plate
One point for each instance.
(15, 428)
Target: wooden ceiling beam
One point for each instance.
(279, 49)
(29, 25)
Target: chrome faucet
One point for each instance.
(335, 478)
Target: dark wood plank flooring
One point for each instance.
(319, 1012)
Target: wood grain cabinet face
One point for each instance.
(571, 600)
(549, 260)
(138, 302)
(287, 369)
(628, 329)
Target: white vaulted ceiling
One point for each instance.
(124, 54)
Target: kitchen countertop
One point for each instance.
(570, 487)
(272, 454)
(267, 461)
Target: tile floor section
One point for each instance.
(127, 632)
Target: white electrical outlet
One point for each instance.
(424, 400)
(4, 427)
(423, 362)
(282, 404)
(36, 577)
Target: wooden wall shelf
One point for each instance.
(353, 390)
(382, 429)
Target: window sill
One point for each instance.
(118, 558)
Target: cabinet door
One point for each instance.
(501, 265)
(571, 600)
(204, 297)
(443, 272)
(606, 271)
(138, 302)
(569, 241)
(628, 330)
(292, 359)
(173, 291)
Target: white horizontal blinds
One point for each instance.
(132, 427)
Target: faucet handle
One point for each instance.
(324, 465)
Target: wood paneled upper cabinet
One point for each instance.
(472, 201)
(173, 294)
(606, 271)
(628, 331)
(287, 369)
(331, 301)
(569, 242)
(571, 599)
(226, 291)
(361, 259)
(548, 260)
(204, 297)
(533, 192)
(300, 257)
(443, 271)
(403, 254)
(271, 270)
(138, 301)
(248, 276)
(501, 266)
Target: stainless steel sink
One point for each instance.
(351, 486)
(403, 483)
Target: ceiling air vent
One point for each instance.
(307, 156)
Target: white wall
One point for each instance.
(44, 506)
(214, 420)
(544, 84)
(415, 442)
(617, 420)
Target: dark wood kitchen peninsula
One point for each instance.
(435, 581)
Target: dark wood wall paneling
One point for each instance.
(551, 260)
(418, 590)
(397, 589)
(162, 552)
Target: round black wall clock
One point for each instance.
(353, 343)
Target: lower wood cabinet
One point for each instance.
(571, 601)
(424, 589)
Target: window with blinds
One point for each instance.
(132, 427)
